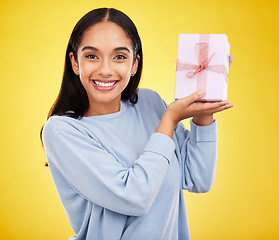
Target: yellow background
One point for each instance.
(243, 203)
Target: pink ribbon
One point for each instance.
(201, 50)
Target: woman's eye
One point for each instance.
(91, 56)
(120, 57)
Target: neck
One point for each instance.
(97, 109)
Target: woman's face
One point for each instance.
(105, 65)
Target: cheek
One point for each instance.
(85, 69)
(125, 71)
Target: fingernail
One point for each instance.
(200, 93)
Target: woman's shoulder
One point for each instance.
(145, 92)
(151, 101)
(60, 123)
(149, 96)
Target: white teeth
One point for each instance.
(103, 84)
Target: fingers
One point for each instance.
(202, 108)
(231, 59)
(205, 106)
(190, 106)
(222, 106)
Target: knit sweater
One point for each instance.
(118, 179)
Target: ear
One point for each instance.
(135, 65)
(74, 63)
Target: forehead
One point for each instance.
(105, 35)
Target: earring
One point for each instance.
(132, 74)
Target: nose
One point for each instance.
(105, 68)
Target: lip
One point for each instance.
(104, 88)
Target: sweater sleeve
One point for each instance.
(96, 175)
(197, 151)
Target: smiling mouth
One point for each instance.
(104, 84)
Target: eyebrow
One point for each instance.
(89, 48)
(122, 48)
(96, 49)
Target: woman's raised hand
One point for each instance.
(202, 112)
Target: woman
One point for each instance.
(118, 155)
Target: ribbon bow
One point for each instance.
(201, 50)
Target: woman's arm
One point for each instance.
(95, 174)
(197, 154)
(202, 112)
(197, 149)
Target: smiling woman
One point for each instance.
(104, 63)
(118, 155)
(72, 99)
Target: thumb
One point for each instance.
(194, 97)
